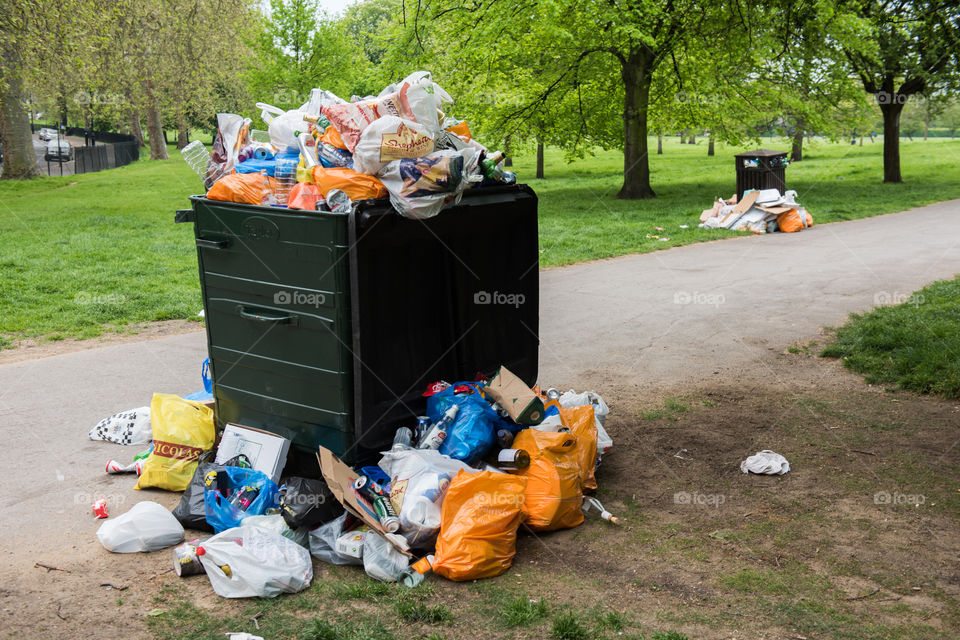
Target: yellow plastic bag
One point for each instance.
(478, 525)
(554, 495)
(182, 430)
(359, 186)
(581, 421)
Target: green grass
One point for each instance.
(914, 345)
(522, 612)
(80, 255)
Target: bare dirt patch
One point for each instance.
(33, 348)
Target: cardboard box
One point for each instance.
(266, 451)
(513, 394)
(340, 479)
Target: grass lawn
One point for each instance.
(914, 345)
(80, 255)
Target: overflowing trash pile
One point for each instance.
(763, 211)
(330, 152)
(449, 497)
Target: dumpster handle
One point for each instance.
(212, 244)
(264, 317)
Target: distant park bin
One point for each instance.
(761, 169)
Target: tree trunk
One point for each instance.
(693, 138)
(796, 151)
(926, 128)
(891, 141)
(710, 142)
(158, 138)
(183, 131)
(659, 145)
(539, 158)
(507, 161)
(135, 129)
(861, 141)
(19, 158)
(637, 75)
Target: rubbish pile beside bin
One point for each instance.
(758, 211)
(489, 458)
(329, 152)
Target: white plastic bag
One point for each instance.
(251, 562)
(276, 524)
(126, 427)
(600, 410)
(148, 526)
(320, 98)
(419, 481)
(390, 138)
(421, 187)
(323, 543)
(282, 125)
(381, 560)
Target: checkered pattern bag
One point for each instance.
(127, 427)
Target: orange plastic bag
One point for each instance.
(478, 525)
(358, 186)
(332, 137)
(461, 129)
(304, 195)
(554, 492)
(581, 421)
(794, 220)
(246, 188)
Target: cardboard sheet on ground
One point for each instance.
(340, 479)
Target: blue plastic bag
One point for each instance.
(474, 432)
(221, 515)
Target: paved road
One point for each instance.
(652, 320)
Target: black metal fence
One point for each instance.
(120, 149)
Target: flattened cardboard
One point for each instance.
(340, 479)
(513, 394)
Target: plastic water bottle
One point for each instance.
(267, 197)
(433, 438)
(198, 158)
(285, 175)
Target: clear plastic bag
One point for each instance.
(421, 187)
(251, 562)
(147, 526)
(381, 560)
(323, 543)
(276, 524)
(419, 479)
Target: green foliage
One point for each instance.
(522, 612)
(567, 626)
(915, 344)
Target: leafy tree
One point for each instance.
(608, 51)
(900, 48)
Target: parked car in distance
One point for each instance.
(46, 134)
(57, 150)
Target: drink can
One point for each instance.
(369, 488)
(383, 507)
(100, 509)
